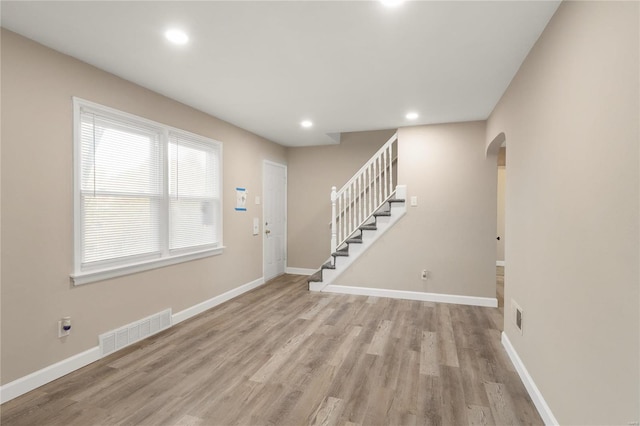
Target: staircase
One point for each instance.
(363, 238)
(362, 210)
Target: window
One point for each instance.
(146, 194)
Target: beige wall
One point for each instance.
(37, 201)
(312, 173)
(502, 174)
(571, 118)
(452, 231)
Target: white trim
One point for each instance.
(264, 197)
(490, 302)
(536, 396)
(499, 262)
(215, 301)
(104, 274)
(316, 286)
(52, 372)
(125, 266)
(48, 374)
(299, 271)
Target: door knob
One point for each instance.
(266, 231)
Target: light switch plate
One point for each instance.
(256, 226)
(257, 200)
(414, 201)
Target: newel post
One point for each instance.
(334, 229)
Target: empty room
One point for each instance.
(375, 212)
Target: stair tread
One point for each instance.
(328, 265)
(385, 213)
(369, 227)
(396, 200)
(316, 277)
(357, 240)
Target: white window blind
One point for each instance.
(193, 192)
(145, 192)
(121, 189)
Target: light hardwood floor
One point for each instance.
(280, 355)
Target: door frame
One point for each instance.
(264, 192)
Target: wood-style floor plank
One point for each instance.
(280, 355)
(429, 362)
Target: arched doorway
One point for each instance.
(498, 148)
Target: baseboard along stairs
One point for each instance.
(358, 242)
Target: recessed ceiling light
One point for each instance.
(306, 123)
(176, 36)
(392, 3)
(411, 116)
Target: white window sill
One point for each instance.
(104, 274)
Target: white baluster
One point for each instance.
(386, 174)
(384, 171)
(379, 182)
(369, 186)
(334, 229)
(360, 199)
(350, 207)
(390, 169)
(343, 218)
(346, 212)
(355, 204)
(383, 175)
(373, 183)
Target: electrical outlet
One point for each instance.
(425, 274)
(64, 327)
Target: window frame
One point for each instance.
(111, 268)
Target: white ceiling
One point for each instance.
(265, 65)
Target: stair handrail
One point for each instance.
(373, 182)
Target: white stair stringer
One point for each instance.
(369, 237)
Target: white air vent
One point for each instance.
(113, 340)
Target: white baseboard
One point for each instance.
(490, 302)
(48, 374)
(499, 262)
(536, 396)
(215, 301)
(300, 271)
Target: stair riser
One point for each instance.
(316, 286)
(340, 261)
(398, 208)
(328, 275)
(355, 249)
(382, 220)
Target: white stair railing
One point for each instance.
(363, 194)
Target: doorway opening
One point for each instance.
(500, 239)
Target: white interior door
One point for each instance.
(274, 209)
